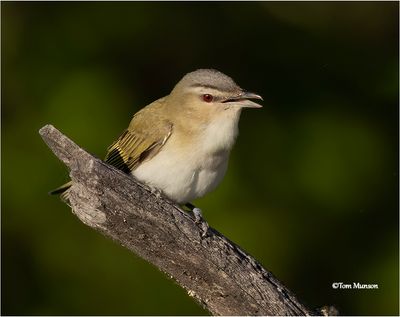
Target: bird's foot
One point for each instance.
(199, 220)
(198, 215)
(155, 191)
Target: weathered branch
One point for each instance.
(215, 271)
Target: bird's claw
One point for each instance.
(198, 218)
(156, 192)
(198, 214)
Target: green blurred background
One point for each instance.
(312, 187)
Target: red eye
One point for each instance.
(208, 98)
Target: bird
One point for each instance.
(179, 145)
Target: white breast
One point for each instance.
(184, 173)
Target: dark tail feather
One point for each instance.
(62, 191)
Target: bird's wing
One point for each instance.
(140, 142)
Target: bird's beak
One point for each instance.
(243, 100)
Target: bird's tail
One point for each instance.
(62, 191)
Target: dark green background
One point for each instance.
(312, 186)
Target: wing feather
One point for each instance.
(141, 141)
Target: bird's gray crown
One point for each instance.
(209, 78)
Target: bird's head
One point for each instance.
(210, 91)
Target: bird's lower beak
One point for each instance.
(248, 103)
(243, 100)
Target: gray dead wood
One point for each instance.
(215, 271)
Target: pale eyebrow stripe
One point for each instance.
(205, 86)
(210, 87)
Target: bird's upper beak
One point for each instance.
(243, 100)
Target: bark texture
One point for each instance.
(215, 271)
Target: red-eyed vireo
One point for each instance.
(180, 144)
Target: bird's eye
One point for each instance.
(208, 97)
